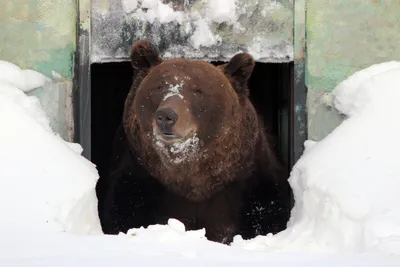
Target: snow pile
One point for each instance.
(214, 11)
(173, 232)
(350, 97)
(25, 80)
(346, 189)
(156, 10)
(152, 10)
(44, 182)
(347, 186)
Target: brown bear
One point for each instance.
(192, 147)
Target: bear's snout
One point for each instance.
(172, 121)
(165, 119)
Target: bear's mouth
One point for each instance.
(170, 136)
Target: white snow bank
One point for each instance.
(45, 184)
(351, 96)
(222, 11)
(25, 80)
(64, 250)
(347, 186)
(173, 232)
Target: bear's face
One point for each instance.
(183, 106)
(190, 123)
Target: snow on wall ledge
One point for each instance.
(194, 29)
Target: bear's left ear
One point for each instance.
(239, 70)
(144, 55)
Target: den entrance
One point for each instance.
(270, 91)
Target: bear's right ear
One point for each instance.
(144, 55)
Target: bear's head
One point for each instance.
(190, 123)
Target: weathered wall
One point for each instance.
(206, 29)
(40, 35)
(342, 37)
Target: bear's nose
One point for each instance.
(165, 118)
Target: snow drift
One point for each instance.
(25, 80)
(346, 191)
(347, 186)
(44, 182)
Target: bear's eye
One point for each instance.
(197, 92)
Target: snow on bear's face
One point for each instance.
(184, 106)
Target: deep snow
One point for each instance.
(346, 190)
(347, 186)
(42, 176)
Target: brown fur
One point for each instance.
(219, 160)
(231, 185)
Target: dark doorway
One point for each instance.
(270, 89)
(110, 84)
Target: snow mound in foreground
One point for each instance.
(45, 183)
(347, 186)
(173, 232)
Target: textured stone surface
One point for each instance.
(264, 28)
(344, 37)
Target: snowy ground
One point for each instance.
(346, 188)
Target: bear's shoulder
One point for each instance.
(123, 160)
(125, 193)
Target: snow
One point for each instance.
(129, 5)
(25, 80)
(203, 36)
(174, 89)
(180, 151)
(348, 97)
(345, 186)
(173, 232)
(156, 10)
(49, 181)
(185, 149)
(222, 11)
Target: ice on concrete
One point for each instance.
(205, 29)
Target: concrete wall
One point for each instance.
(40, 35)
(342, 37)
(193, 29)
